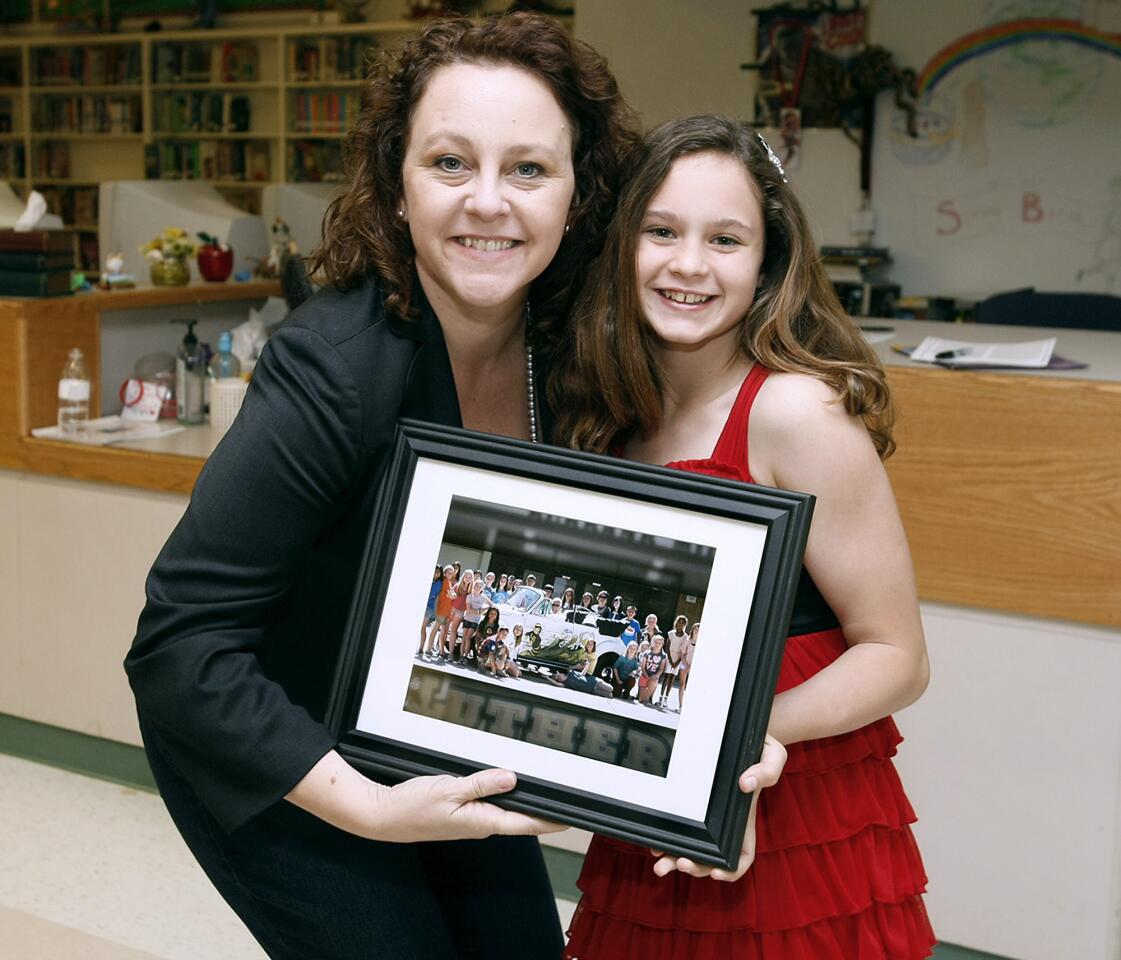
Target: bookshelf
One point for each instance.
(240, 108)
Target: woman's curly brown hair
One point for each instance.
(361, 230)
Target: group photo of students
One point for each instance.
(464, 625)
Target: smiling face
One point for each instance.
(699, 253)
(488, 184)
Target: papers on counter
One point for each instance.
(106, 430)
(1028, 353)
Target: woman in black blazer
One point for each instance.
(481, 173)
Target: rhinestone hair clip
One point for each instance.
(773, 157)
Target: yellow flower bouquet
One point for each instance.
(173, 244)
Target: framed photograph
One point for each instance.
(537, 609)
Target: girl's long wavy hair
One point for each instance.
(361, 230)
(606, 383)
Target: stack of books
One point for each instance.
(35, 263)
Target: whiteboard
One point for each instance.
(1015, 177)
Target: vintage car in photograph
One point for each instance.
(556, 640)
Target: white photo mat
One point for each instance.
(684, 791)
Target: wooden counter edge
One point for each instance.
(161, 472)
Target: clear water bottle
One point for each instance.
(74, 396)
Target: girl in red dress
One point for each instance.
(711, 340)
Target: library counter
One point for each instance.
(1009, 482)
(35, 337)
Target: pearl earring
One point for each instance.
(566, 227)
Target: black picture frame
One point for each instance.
(609, 771)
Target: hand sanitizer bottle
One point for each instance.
(190, 377)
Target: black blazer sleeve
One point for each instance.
(260, 503)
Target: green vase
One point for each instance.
(173, 272)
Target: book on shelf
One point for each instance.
(10, 69)
(238, 62)
(11, 161)
(34, 283)
(30, 261)
(36, 241)
(51, 158)
(83, 205)
(86, 113)
(93, 65)
(311, 161)
(329, 58)
(323, 112)
(207, 160)
(257, 161)
(232, 62)
(201, 113)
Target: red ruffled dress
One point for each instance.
(837, 873)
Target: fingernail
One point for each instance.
(750, 784)
(506, 781)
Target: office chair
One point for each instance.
(1026, 308)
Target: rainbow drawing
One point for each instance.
(984, 41)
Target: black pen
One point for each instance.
(950, 354)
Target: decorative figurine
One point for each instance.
(283, 246)
(115, 264)
(113, 276)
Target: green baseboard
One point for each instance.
(125, 764)
(951, 951)
(564, 868)
(78, 752)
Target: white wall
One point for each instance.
(1012, 760)
(1015, 178)
(73, 560)
(674, 59)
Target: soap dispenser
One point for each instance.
(190, 377)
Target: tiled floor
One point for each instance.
(96, 871)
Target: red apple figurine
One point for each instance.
(216, 260)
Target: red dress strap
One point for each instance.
(731, 446)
